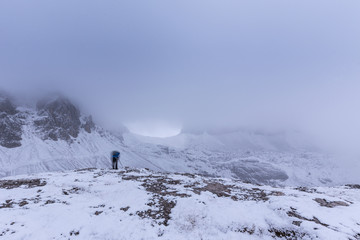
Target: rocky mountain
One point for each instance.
(50, 135)
(142, 204)
(54, 119)
(10, 124)
(54, 135)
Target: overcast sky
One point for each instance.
(228, 62)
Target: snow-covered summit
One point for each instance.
(142, 204)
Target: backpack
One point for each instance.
(115, 154)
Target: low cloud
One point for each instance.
(278, 65)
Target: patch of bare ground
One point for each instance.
(297, 223)
(163, 197)
(28, 183)
(248, 230)
(236, 193)
(306, 189)
(160, 186)
(219, 189)
(10, 203)
(23, 203)
(85, 170)
(74, 190)
(286, 234)
(164, 193)
(97, 213)
(98, 206)
(49, 202)
(160, 210)
(330, 204)
(125, 209)
(133, 178)
(186, 175)
(295, 214)
(353, 186)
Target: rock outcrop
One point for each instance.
(10, 124)
(59, 119)
(88, 124)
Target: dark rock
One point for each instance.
(305, 189)
(10, 125)
(330, 204)
(75, 233)
(88, 125)
(85, 169)
(125, 209)
(247, 230)
(7, 107)
(216, 188)
(60, 119)
(277, 193)
(29, 183)
(159, 186)
(286, 234)
(297, 223)
(23, 203)
(49, 202)
(8, 204)
(11, 131)
(353, 186)
(74, 190)
(162, 210)
(295, 214)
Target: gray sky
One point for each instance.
(229, 62)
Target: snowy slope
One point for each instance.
(283, 158)
(56, 136)
(141, 204)
(38, 155)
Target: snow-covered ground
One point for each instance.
(142, 204)
(185, 153)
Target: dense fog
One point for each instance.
(258, 64)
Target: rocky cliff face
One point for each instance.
(60, 119)
(10, 124)
(54, 119)
(88, 124)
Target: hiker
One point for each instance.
(115, 159)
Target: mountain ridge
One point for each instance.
(55, 136)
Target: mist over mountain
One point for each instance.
(53, 134)
(230, 119)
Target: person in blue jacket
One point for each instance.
(115, 158)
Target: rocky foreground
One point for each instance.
(141, 204)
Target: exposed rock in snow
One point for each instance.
(88, 124)
(59, 119)
(142, 204)
(10, 124)
(7, 107)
